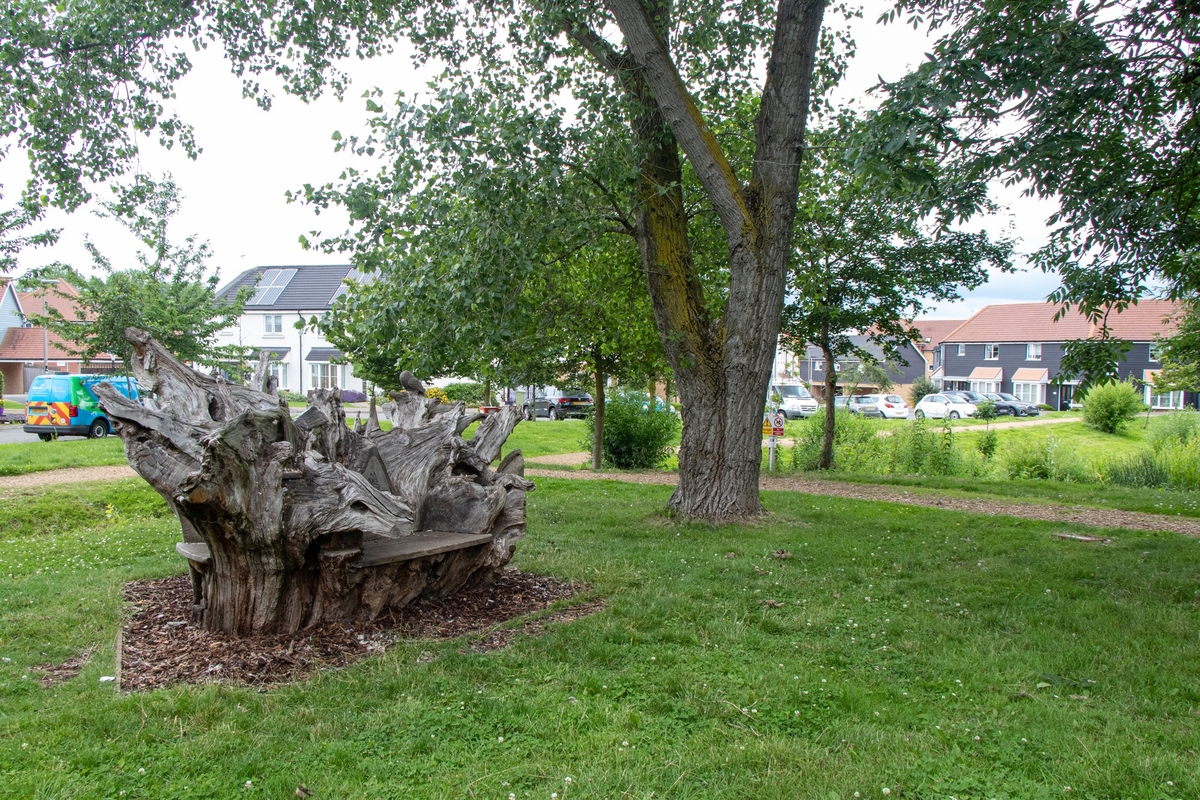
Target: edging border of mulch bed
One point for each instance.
(158, 647)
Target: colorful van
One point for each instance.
(64, 405)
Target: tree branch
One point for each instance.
(683, 116)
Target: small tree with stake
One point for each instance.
(986, 411)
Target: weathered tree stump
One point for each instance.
(289, 523)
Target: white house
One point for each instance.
(282, 297)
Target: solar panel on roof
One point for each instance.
(272, 284)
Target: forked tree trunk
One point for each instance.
(722, 364)
(289, 523)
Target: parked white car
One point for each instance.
(794, 400)
(891, 406)
(939, 406)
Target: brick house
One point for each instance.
(1018, 348)
(27, 350)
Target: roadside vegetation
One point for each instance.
(930, 652)
(1161, 453)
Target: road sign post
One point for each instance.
(772, 427)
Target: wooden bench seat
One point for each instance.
(377, 551)
(422, 543)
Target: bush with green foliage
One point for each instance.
(634, 438)
(1045, 460)
(920, 387)
(471, 393)
(1109, 406)
(921, 449)
(856, 448)
(292, 397)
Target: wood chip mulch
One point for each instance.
(159, 647)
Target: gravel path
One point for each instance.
(71, 475)
(1082, 515)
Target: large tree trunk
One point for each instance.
(722, 366)
(826, 461)
(292, 523)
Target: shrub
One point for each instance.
(1046, 460)
(470, 393)
(440, 394)
(856, 446)
(987, 444)
(1109, 406)
(920, 387)
(634, 438)
(921, 449)
(353, 396)
(292, 397)
(1045, 407)
(1177, 427)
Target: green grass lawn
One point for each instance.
(933, 653)
(1078, 437)
(1151, 501)
(69, 451)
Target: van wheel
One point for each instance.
(45, 437)
(98, 429)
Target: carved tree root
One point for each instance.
(288, 523)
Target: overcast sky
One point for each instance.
(234, 193)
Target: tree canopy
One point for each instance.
(166, 294)
(1093, 105)
(868, 260)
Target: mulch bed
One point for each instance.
(160, 647)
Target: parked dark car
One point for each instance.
(974, 398)
(1010, 404)
(558, 404)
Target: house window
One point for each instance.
(962, 349)
(1154, 352)
(1030, 392)
(273, 323)
(991, 352)
(324, 376)
(937, 358)
(837, 366)
(818, 366)
(1033, 351)
(984, 387)
(1163, 401)
(279, 370)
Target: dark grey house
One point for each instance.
(811, 368)
(1018, 348)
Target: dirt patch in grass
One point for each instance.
(54, 674)
(160, 647)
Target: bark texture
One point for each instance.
(288, 523)
(722, 364)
